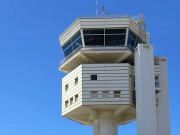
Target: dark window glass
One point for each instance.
(133, 39)
(77, 44)
(93, 31)
(71, 101)
(66, 103)
(115, 40)
(66, 87)
(115, 31)
(73, 44)
(76, 80)
(157, 82)
(76, 97)
(94, 40)
(65, 46)
(68, 51)
(117, 94)
(104, 37)
(93, 77)
(76, 36)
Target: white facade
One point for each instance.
(145, 91)
(111, 88)
(116, 82)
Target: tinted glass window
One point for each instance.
(68, 51)
(115, 40)
(94, 40)
(117, 94)
(73, 44)
(93, 77)
(133, 39)
(104, 37)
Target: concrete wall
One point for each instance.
(145, 91)
(72, 91)
(163, 113)
(110, 78)
(82, 23)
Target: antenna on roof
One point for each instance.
(142, 24)
(96, 7)
(103, 10)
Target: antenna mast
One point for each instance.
(96, 7)
(103, 10)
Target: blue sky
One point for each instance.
(30, 83)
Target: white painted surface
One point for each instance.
(72, 90)
(110, 78)
(145, 91)
(106, 22)
(163, 114)
(105, 125)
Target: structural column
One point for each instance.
(145, 90)
(163, 114)
(105, 125)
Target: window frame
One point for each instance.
(157, 81)
(66, 87)
(66, 103)
(76, 80)
(76, 97)
(117, 93)
(92, 77)
(107, 32)
(71, 100)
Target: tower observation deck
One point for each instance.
(112, 77)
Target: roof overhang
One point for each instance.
(95, 55)
(101, 22)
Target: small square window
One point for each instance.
(157, 82)
(117, 94)
(76, 97)
(76, 80)
(105, 93)
(71, 101)
(66, 87)
(94, 94)
(132, 77)
(66, 103)
(93, 77)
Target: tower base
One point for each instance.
(105, 125)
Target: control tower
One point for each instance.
(112, 77)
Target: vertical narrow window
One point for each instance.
(94, 94)
(76, 80)
(105, 94)
(157, 82)
(66, 103)
(71, 101)
(66, 87)
(117, 94)
(76, 97)
(93, 77)
(132, 77)
(156, 61)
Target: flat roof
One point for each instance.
(101, 22)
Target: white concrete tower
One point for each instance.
(112, 77)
